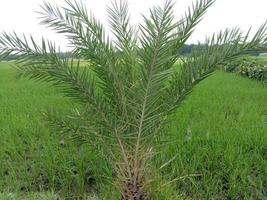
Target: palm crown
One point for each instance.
(130, 84)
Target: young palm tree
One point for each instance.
(130, 84)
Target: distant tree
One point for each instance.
(130, 85)
(186, 49)
(10, 57)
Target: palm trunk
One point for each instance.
(133, 192)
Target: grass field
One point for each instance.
(218, 135)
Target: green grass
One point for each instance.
(32, 157)
(35, 196)
(221, 133)
(218, 138)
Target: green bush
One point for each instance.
(251, 67)
(258, 72)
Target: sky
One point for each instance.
(21, 16)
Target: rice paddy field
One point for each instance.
(217, 144)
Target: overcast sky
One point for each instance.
(20, 15)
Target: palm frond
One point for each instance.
(125, 39)
(44, 63)
(85, 33)
(227, 45)
(119, 20)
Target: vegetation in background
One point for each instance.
(252, 67)
(189, 48)
(126, 98)
(14, 57)
(254, 71)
